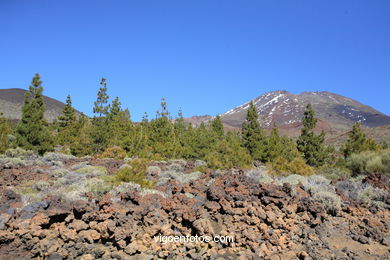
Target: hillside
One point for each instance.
(282, 108)
(11, 102)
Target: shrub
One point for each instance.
(369, 162)
(114, 152)
(98, 186)
(297, 166)
(135, 173)
(329, 200)
(356, 190)
(130, 186)
(179, 176)
(92, 170)
(322, 191)
(293, 180)
(10, 163)
(18, 153)
(51, 156)
(333, 172)
(259, 175)
(372, 196)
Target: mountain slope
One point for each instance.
(282, 108)
(11, 102)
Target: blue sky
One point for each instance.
(206, 56)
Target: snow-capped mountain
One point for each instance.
(283, 108)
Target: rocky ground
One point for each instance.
(59, 207)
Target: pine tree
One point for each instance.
(357, 142)
(201, 141)
(280, 146)
(32, 132)
(217, 126)
(227, 153)
(4, 131)
(101, 108)
(162, 138)
(253, 136)
(115, 108)
(100, 133)
(81, 143)
(68, 116)
(309, 144)
(120, 126)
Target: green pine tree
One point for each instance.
(32, 132)
(115, 108)
(217, 126)
(280, 146)
(162, 138)
(4, 131)
(101, 108)
(68, 116)
(227, 153)
(309, 144)
(81, 143)
(120, 126)
(253, 136)
(357, 142)
(100, 132)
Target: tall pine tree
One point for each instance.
(101, 108)
(253, 136)
(100, 132)
(309, 144)
(68, 116)
(32, 132)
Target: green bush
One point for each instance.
(297, 166)
(114, 152)
(227, 154)
(369, 162)
(136, 173)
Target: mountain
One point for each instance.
(285, 110)
(11, 102)
(197, 120)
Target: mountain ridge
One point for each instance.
(12, 99)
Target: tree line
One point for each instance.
(111, 132)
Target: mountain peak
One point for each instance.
(283, 108)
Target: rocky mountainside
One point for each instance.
(59, 207)
(282, 108)
(11, 102)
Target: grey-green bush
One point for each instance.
(370, 162)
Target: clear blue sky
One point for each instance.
(205, 56)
